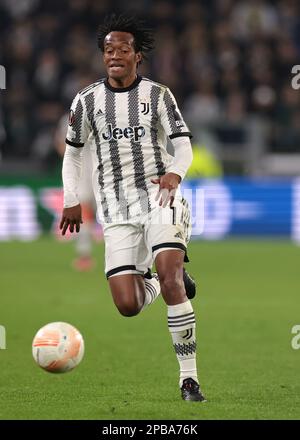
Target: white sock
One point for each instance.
(182, 326)
(152, 290)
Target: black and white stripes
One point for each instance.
(137, 153)
(126, 130)
(90, 108)
(181, 322)
(154, 99)
(175, 120)
(185, 349)
(77, 124)
(110, 118)
(151, 290)
(186, 219)
(182, 328)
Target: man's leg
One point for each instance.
(181, 320)
(132, 293)
(127, 259)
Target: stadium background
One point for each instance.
(229, 64)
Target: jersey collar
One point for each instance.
(123, 89)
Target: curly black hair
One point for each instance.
(143, 36)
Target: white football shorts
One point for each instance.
(133, 247)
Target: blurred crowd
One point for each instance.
(225, 60)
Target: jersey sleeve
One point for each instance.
(78, 128)
(171, 118)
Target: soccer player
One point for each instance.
(126, 119)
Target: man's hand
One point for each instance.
(168, 185)
(71, 217)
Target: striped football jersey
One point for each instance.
(126, 130)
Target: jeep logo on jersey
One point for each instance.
(135, 133)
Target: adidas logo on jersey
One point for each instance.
(179, 235)
(99, 113)
(135, 133)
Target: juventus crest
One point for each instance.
(145, 107)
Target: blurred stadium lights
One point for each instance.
(220, 208)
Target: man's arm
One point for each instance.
(77, 134)
(168, 183)
(71, 169)
(177, 130)
(183, 156)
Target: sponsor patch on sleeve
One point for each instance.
(71, 117)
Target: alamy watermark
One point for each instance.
(2, 77)
(296, 339)
(2, 338)
(138, 206)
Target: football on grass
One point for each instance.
(58, 347)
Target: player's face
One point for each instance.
(119, 55)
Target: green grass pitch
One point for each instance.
(247, 303)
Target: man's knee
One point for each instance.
(128, 307)
(128, 294)
(128, 310)
(171, 282)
